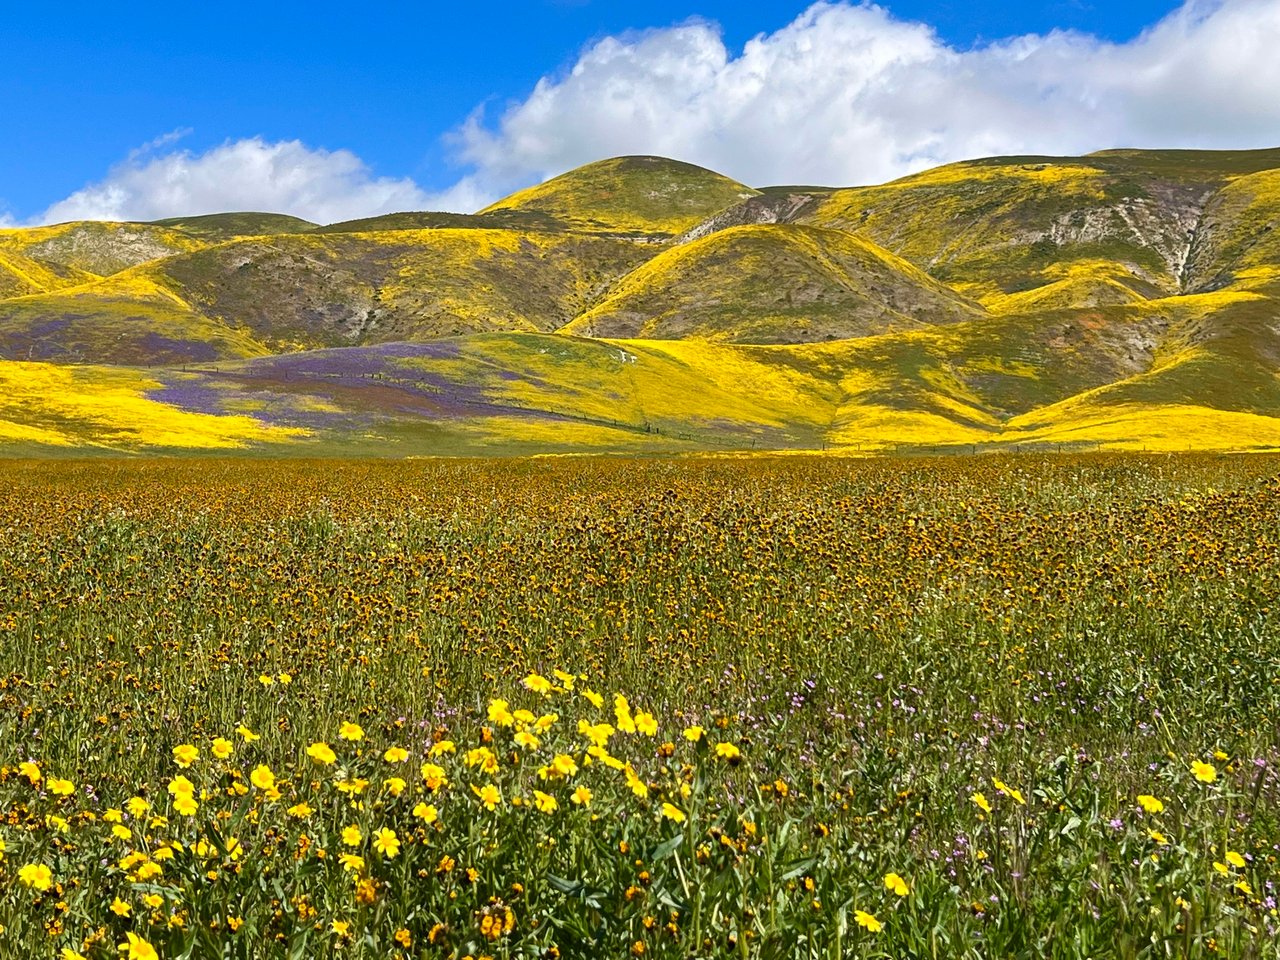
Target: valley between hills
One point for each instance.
(1121, 300)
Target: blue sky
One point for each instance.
(84, 86)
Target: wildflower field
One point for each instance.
(779, 707)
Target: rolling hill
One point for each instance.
(649, 196)
(772, 284)
(1124, 299)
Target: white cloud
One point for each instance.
(252, 174)
(845, 94)
(849, 94)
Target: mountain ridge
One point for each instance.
(979, 304)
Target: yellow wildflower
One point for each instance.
(634, 783)
(564, 765)
(135, 948)
(1204, 772)
(185, 754)
(537, 683)
(1150, 804)
(36, 875)
(1008, 791)
(488, 794)
(433, 776)
(426, 813)
(527, 740)
(483, 758)
(386, 842)
(262, 777)
(622, 714)
(500, 713)
(597, 733)
(867, 921)
(728, 751)
(352, 786)
(322, 753)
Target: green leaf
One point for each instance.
(572, 887)
(800, 867)
(667, 848)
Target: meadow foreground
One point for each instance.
(795, 707)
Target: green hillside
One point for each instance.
(305, 291)
(526, 220)
(340, 289)
(228, 226)
(127, 318)
(1128, 299)
(636, 195)
(772, 284)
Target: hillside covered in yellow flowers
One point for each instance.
(1123, 300)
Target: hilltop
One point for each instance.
(1126, 298)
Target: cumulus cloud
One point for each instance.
(847, 94)
(844, 94)
(251, 174)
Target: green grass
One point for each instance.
(931, 694)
